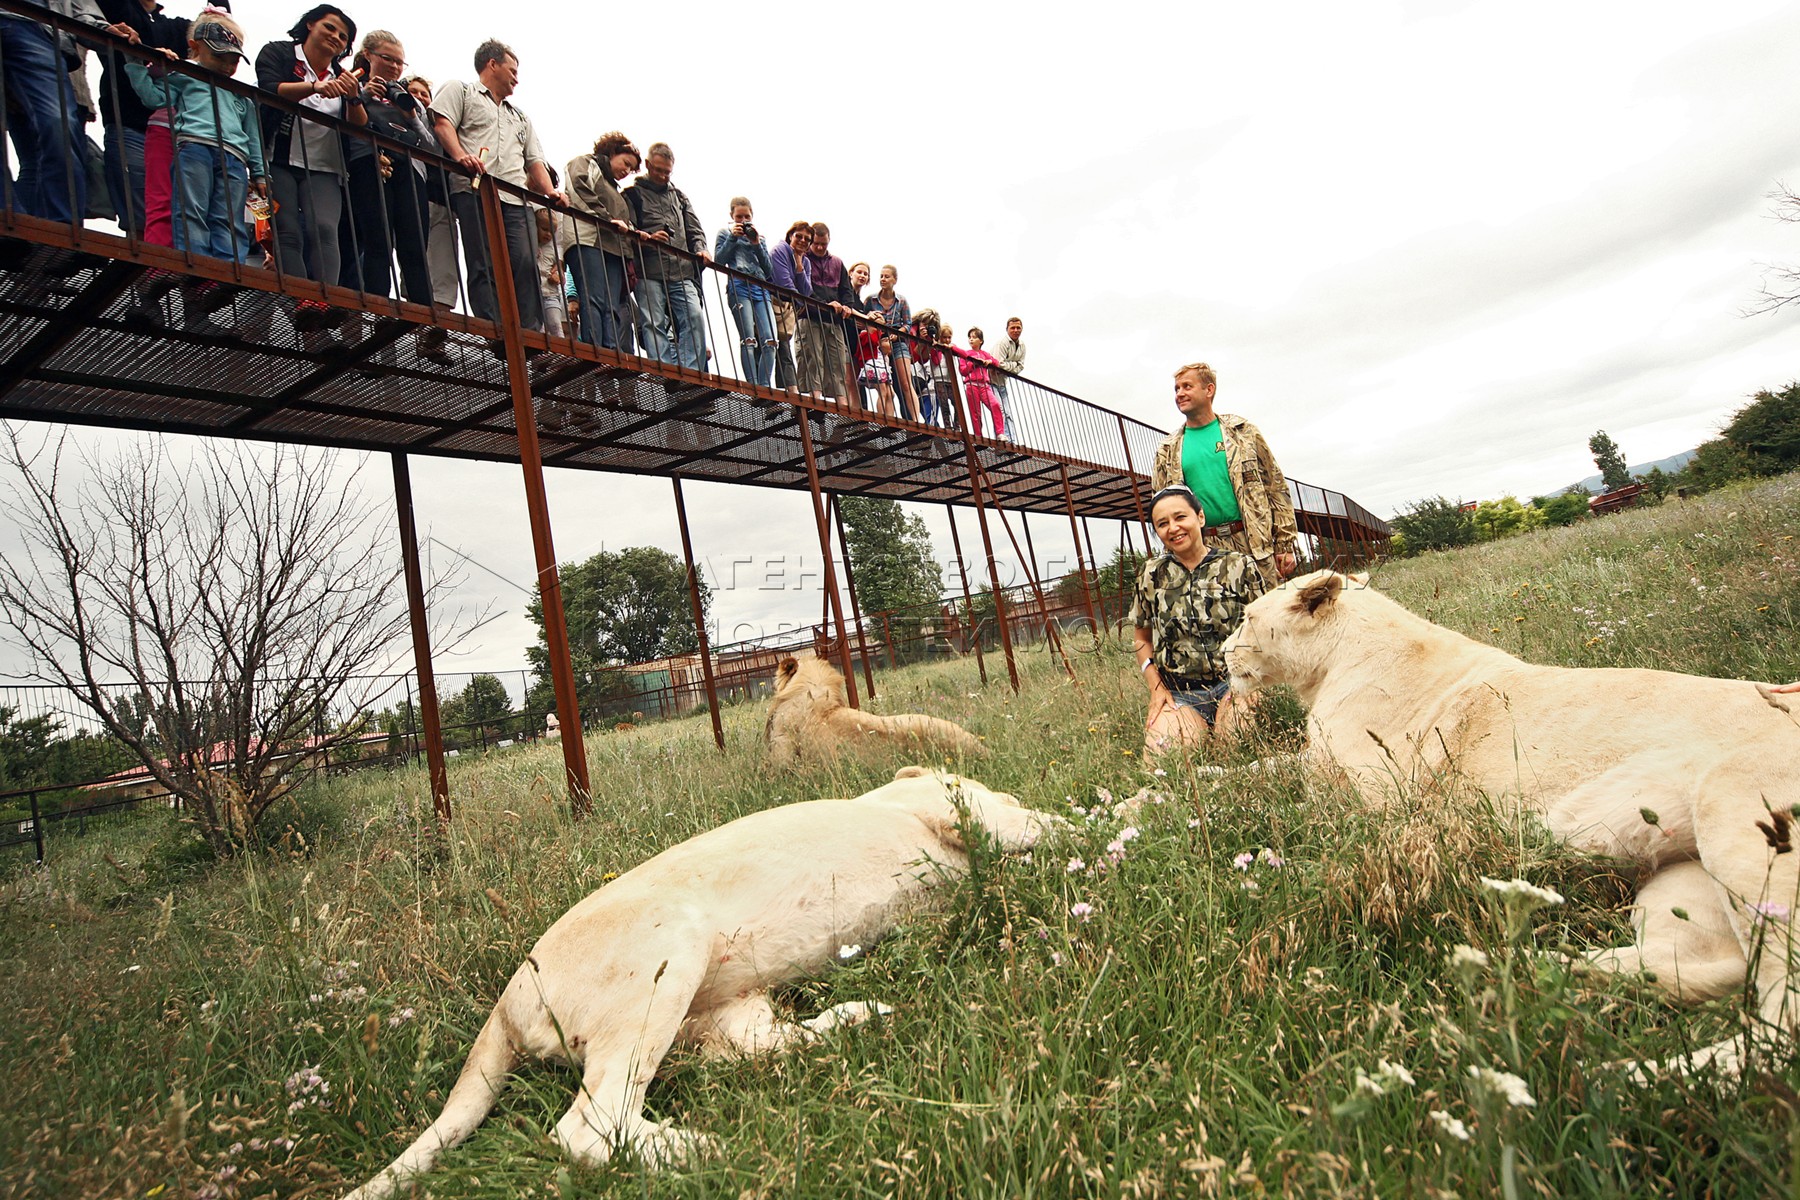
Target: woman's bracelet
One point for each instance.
(1144, 664)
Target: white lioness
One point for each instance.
(1394, 697)
(685, 947)
(810, 716)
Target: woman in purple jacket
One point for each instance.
(788, 269)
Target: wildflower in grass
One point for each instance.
(1521, 898)
(1128, 834)
(1504, 1085)
(1394, 1073)
(1159, 773)
(1771, 910)
(848, 952)
(1056, 958)
(1467, 963)
(307, 1088)
(1270, 859)
(400, 1018)
(1081, 910)
(1448, 1125)
(1075, 865)
(1242, 862)
(1193, 822)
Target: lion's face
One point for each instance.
(1287, 633)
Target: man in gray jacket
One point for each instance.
(42, 120)
(668, 290)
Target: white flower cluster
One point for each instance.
(1504, 1085)
(1387, 1077)
(307, 1088)
(1523, 892)
(1448, 1125)
(400, 1018)
(1467, 963)
(349, 995)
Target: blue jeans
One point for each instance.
(602, 297)
(756, 326)
(125, 175)
(210, 185)
(1204, 700)
(678, 300)
(52, 181)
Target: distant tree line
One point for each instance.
(1761, 439)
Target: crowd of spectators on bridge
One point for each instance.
(619, 263)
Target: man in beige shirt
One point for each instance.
(481, 129)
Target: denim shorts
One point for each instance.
(1203, 700)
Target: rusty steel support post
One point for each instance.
(1051, 634)
(1136, 496)
(421, 639)
(887, 638)
(962, 572)
(862, 641)
(1030, 550)
(693, 582)
(1124, 536)
(804, 419)
(556, 627)
(1087, 594)
(1087, 528)
(993, 565)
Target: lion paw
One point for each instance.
(854, 1012)
(661, 1144)
(1725, 1059)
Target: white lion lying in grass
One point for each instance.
(810, 716)
(1716, 762)
(685, 947)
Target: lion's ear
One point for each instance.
(1360, 578)
(911, 772)
(1320, 592)
(785, 671)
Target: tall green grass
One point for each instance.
(1205, 1028)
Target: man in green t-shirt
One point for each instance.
(1224, 461)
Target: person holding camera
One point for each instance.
(740, 247)
(671, 323)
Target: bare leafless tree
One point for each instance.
(1781, 284)
(240, 595)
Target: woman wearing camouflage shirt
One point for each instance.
(1188, 601)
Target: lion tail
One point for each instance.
(480, 1084)
(920, 728)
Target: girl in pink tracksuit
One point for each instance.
(974, 365)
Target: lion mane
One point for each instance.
(810, 717)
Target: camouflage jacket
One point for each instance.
(1261, 488)
(1189, 614)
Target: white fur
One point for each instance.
(1396, 699)
(685, 947)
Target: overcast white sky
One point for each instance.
(1429, 247)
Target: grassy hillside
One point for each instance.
(282, 1025)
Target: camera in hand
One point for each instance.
(747, 230)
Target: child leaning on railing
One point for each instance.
(218, 142)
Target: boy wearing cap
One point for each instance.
(218, 141)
